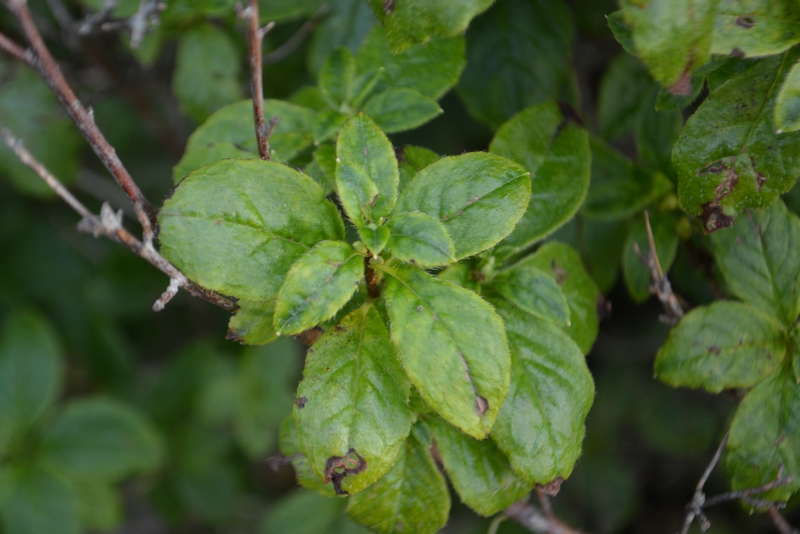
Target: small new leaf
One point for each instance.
(319, 283)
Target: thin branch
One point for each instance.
(283, 51)
(659, 283)
(693, 509)
(781, 525)
(109, 224)
(255, 37)
(780, 480)
(534, 520)
(84, 120)
(17, 51)
(544, 501)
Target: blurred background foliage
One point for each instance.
(115, 419)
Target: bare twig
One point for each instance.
(659, 283)
(699, 501)
(781, 525)
(534, 520)
(544, 501)
(84, 120)
(255, 38)
(280, 53)
(109, 224)
(17, 51)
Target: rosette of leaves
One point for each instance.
(406, 358)
(750, 344)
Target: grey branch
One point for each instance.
(535, 520)
(781, 525)
(109, 224)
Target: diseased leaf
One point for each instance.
(351, 408)
(452, 346)
(760, 261)
(230, 133)
(318, 284)
(398, 109)
(729, 157)
(431, 68)
(478, 470)
(412, 22)
(533, 291)
(764, 434)
(722, 346)
(479, 197)
(637, 275)
(672, 37)
(31, 111)
(366, 171)
(256, 218)
(206, 72)
(287, 439)
(102, 438)
(37, 501)
(755, 27)
(337, 78)
(552, 387)
(30, 371)
(564, 264)
(413, 159)
(619, 188)
(412, 497)
(787, 105)
(419, 239)
(253, 323)
(550, 141)
(517, 56)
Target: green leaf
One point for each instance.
(366, 171)
(327, 124)
(352, 405)
(760, 260)
(347, 24)
(533, 291)
(30, 371)
(319, 283)
(39, 502)
(230, 133)
(625, 90)
(374, 237)
(541, 424)
(287, 438)
(755, 27)
(31, 111)
(564, 264)
(253, 323)
(637, 275)
(765, 433)
(206, 72)
(309, 97)
(413, 159)
(729, 157)
(412, 497)
(325, 157)
(672, 37)
(256, 218)
(399, 109)
(723, 346)
(452, 345)
(412, 22)
(622, 32)
(294, 514)
(265, 392)
(619, 188)
(419, 239)
(431, 68)
(787, 104)
(478, 470)
(518, 55)
(102, 438)
(550, 141)
(656, 133)
(337, 78)
(99, 504)
(603, 243)
(479, 197)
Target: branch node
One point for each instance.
(166, 296)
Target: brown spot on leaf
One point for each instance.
(559, 272)
(737, 52)
(232, 335)
(712, 215)
(301, 402)
(760, 178)
(713, 218)
(217, 222)
(338, 467)
(420, 308)
(481, 405)
(713, 349)
(400, 154)
(551, 488)
(745, 22)
(388, 6)
(310, 336)
(603, 308)
(366, 151)
(683, 87)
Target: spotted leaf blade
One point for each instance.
(351, 410)
(452, 345)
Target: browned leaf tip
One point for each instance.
(551, 488)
